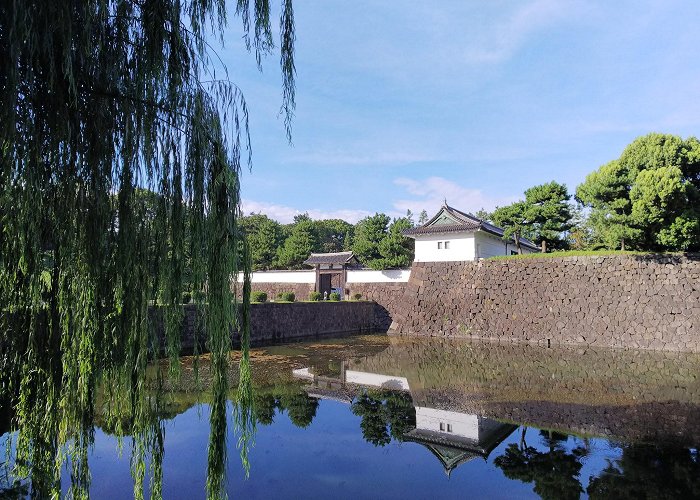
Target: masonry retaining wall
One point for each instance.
(633, 301)
(386, 295)
(280, 322)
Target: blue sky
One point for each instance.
(402, 104)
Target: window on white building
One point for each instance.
(447, 245)
(439, 245)
(442, 426)
(449, 427)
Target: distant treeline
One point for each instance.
(648, 200)
(377, 241)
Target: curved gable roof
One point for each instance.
(451, 220)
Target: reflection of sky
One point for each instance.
(328, 457)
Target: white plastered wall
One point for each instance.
(309, 276)
(461, 247)
(385, 276)
(488, 245)
(461, 424)
(282, 277)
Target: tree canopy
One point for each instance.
(648, 198)
(379, 243)
(544, 215)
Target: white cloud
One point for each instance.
(502, 40)
(285, 214)
(429, 194)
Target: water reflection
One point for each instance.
(559, 423)
(461, 400)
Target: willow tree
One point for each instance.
(100, 100)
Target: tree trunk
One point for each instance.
(622, 244)
(544, 246)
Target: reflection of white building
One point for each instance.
(452, 235)
(453, 437)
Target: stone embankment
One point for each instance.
(283, 322)
(387, 296)
(630, 301)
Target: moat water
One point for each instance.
(378, 417)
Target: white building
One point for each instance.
(453, 235)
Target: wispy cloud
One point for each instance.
(429, 194)
(285, 214)
(501, 41)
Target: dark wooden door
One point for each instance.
(325, 284)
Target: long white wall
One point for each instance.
(372, 276)
(282, 277)
(309, 276)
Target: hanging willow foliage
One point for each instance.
(120, 153)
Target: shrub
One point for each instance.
(315, 296)
(258, 296)
(286, 297)
(357, 296)
(335, 297)
(186, 297)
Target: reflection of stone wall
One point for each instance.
(628, 394)
(649, 302)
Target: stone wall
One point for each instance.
(301, 290)
(386, 295)
(634, 301)
(280, 322)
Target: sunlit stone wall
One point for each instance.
(635, 301)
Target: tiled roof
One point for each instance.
(466, 223)
(330, 258)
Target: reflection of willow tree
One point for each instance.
(554, 472)
(385, 415)
(648, 471)
(118, 96)
(300, 407)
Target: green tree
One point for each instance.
(483, 215)
(647, 199)
(423, 217)
(550, 213)
(265, 237)
(331, 235)
(396, 250)
(298, 246)
(369, 232)
(516, 221)
(544, 215)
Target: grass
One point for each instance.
(571, 253)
